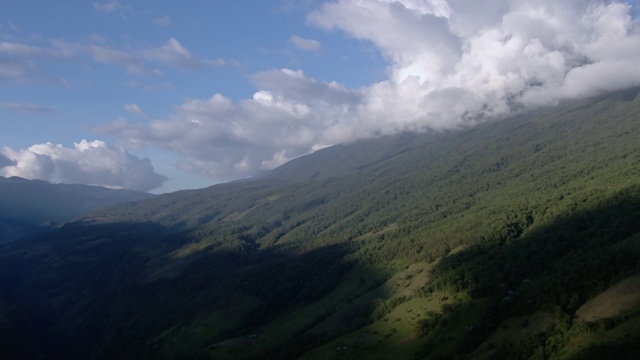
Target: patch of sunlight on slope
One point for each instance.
(394, 309)
(240, 215)
(355, 283)
(361, 292)
(171, 265)
(373, 235)
(407, 282)
(396, 331)
(378, 299)
(191, 248)
(604, 344)
(623, 297)
(397, 335)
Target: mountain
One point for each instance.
(29, 207)
(517, 238)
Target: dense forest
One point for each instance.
(517, 238)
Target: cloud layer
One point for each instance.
(26, 108)
(222, 139)
(20, 63)
(88, 162)
(450, 63)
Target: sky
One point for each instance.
(162, 96)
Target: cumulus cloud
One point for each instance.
(291, 116)
(305, 44)
(450, 63)
(509, 53)
(87, 162)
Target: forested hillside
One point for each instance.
(29, 207)
(517, 238)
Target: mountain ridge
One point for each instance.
(30, 207)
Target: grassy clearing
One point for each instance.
(398, 334)
(396, 331)
(620, 343)
(621, 298)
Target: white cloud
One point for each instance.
(305, 44)
(17, 49)
(417, 43)
(173, 53)
(134, 109)
(13, 71)
(130, 60)
(16, 63)
(110, 6)
(20, 62)
(163, 21)
(509, 53)
(278, 159)
(106, 55)
(222, 139)
(149, 87)
(450, 63)
(88, 162)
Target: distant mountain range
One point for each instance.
(28, 207)
(513, 239)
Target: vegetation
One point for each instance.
(487, 242)
(30, 207)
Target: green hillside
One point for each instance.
(29, 207)
(487, 242)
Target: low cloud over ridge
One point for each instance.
(88, 162)
(449, 64)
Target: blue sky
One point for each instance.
(164, 96)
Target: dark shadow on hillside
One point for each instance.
(256, 288)
(556, 268)
(65, 284)
(84, 290)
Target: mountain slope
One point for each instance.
(29, 207)
(478, 242)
